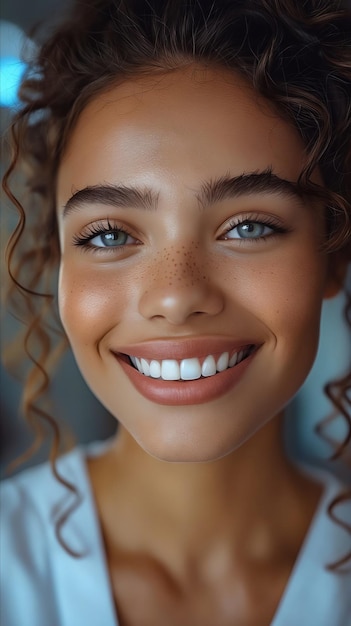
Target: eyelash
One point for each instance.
(100, 228)
(269, 221)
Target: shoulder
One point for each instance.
(20, 515)
(318, 592)
(29, 504)
(30, 495)
(329, 533)
(329, 538)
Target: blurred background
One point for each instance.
(70, 396)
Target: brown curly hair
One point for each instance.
(296, 54)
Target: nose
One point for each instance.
(178, 289)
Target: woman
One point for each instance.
(190, 164)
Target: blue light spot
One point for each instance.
(11, 73)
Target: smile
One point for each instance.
(192, 368)
(186, 379)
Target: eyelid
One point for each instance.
(271, 221)
(101, 227)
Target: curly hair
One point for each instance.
(296, 54)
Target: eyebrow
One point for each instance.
(212, 191)
(110, 194)
(246, 184)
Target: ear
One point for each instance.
(336, 274)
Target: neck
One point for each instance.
(243, 499)
(186, 491)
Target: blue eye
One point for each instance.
(110, 239)
(104, 235)
(249, 230)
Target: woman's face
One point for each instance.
(186, 246)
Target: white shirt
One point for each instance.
(42, 585)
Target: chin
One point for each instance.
(187, 447)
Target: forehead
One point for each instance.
(190, 123)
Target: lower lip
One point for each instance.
(178, 393)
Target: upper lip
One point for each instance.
(185, 348)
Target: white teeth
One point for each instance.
(209, 366)
(170, 370)
(188, 369)
(145, 367)
(233, 360)
(155, 369)
(222, 363)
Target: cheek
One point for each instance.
(285, 294)
(90, 303)
(297, 294)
